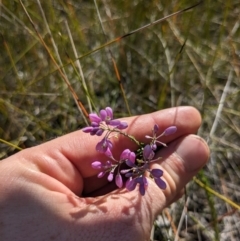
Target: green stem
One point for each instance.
(132, 138)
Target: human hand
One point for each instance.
(51, 192)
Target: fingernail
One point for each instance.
(194, 152)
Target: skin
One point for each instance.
(50, 192)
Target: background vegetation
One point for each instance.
(189, 59)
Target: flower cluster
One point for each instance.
(131, 165)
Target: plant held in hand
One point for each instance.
(132, 165)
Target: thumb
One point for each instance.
(180, 161)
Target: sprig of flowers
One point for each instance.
(132, 165)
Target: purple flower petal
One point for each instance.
(109, 112)
(99, 132)
(129, 174)
(118, 180)
(161, 184)
(132, 157)
(130, 163)
(103, 115)
(95, 124)
(141, 180)
(170, 130)
(114, 122)
(125, 154)
(128, 155)
(94, 118)
(122, 125)
(131, 184)
(87, 129)
(154, 146)
(142, 189)
(97, 165)
(101, 174)
(155, 128)
(156, 172)
(148, 153)
(103, 145)
(108, 152)
(94, 131)
(143, 184)
(110, 176)
(124, 171)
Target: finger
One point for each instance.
(182, 160)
